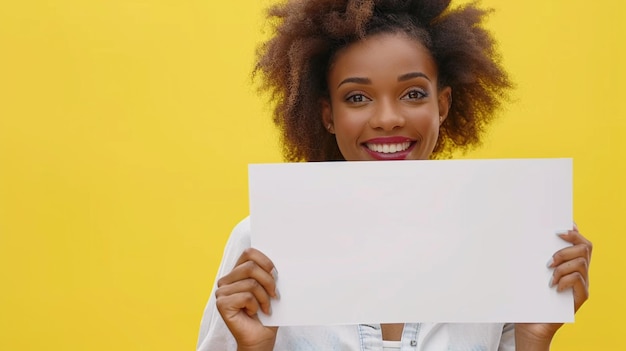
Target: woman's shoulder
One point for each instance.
(241, 233)
(238, 242)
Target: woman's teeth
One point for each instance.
(389, 148)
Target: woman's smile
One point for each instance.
(389, 148)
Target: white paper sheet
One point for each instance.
(413, 241)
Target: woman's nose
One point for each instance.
(386, 117)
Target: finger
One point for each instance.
(577, 265)
(230, 306)
(570, 253)
(573, 236)
(247, 285)
(252, 254)
(250, 270)
(578, 284)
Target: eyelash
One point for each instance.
(420, 94)
(417, 95)
(352, 98)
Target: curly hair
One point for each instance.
(294, 65)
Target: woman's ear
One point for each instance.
(444, 100)
(327, 116)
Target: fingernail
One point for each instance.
(277, 297)
(551, 282)
(550, 262)
(562, 232)
(269, 310)
(275, 273)
(575, 226)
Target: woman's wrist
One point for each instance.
(265, 346)
(257, 348)
(531, 345)
(525, 342)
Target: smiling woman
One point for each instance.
(375, 80)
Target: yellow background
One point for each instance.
(126, 127)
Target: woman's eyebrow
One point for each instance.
(357, 80)
(404, 77)
(412, 75)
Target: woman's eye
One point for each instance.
(414, 95)
(356, 98)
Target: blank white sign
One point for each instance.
(413, 241)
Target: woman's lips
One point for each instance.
(389, 148)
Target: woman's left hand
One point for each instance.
(571, 270)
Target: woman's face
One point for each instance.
(384, 103)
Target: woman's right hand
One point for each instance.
(240, 294)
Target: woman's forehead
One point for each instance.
(388, 53)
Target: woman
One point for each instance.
(375, 80)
